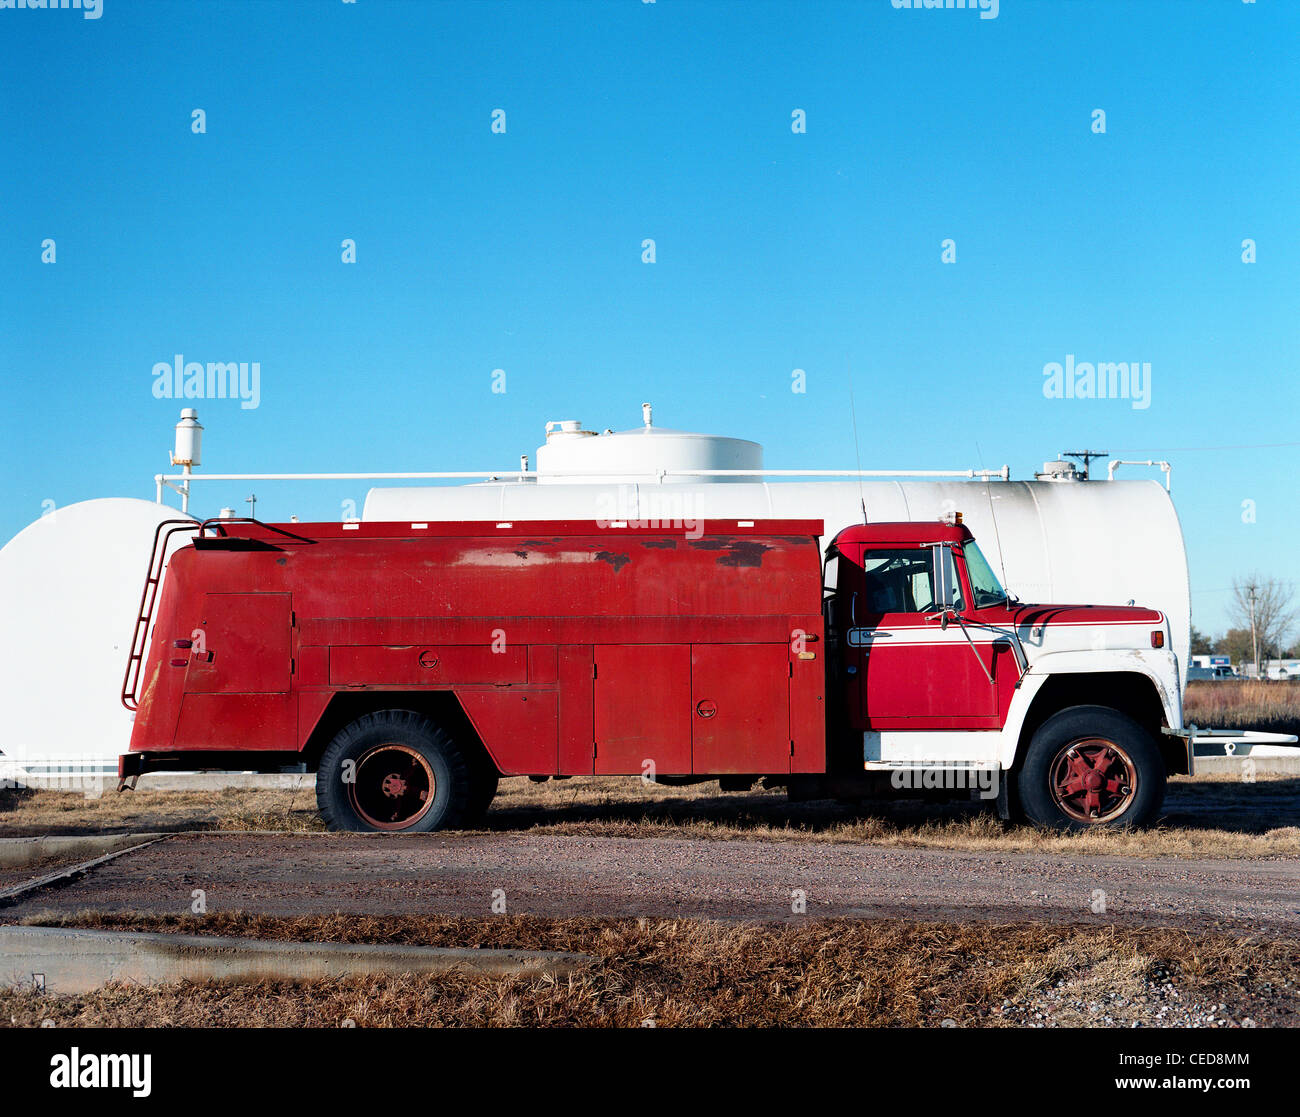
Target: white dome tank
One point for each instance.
(69, 590)
(571, 453)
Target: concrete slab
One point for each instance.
(14, 893)
(19, 853)
(70, 960)
(1236, 765)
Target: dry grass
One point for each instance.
(28, 813)
(873, 973)
(1215, 816)
(1273, 706)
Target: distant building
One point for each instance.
(1275, 669)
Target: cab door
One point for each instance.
(914, 673)
(848, 599)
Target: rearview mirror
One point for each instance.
(945, 576)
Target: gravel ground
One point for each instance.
(1160, 1005)
(552, 875)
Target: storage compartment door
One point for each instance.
(242, 645)
(740, 708)
(643, 695)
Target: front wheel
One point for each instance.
(1088, 767)
(393, 770)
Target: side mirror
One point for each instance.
(945, 577)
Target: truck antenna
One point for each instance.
(857, 446)
(997, 538)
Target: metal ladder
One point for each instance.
(153, 578)
(148, 600)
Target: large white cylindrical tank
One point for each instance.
(573, 453)
(69, 593)
(1077, 542)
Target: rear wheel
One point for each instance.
(393, 770)
(1091, 766)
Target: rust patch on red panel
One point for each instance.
(735, 552)
(616, 561)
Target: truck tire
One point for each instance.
(1091, 766)
(393, 770)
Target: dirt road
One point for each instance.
(546, 874)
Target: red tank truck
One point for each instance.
(413, 664)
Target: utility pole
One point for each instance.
(1254, 639)
(1085, 456)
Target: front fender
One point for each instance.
(1158, 665)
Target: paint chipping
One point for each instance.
(616, 561)
(735, 552)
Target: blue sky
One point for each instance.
(670, 121)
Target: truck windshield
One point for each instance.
(984, 584)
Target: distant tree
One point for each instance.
(1201, 644)
(1271, 604)
(1235, 643)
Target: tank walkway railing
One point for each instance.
(161, 479)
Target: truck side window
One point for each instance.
(898, 581)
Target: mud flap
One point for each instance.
(1008, 800)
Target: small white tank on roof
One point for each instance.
(573, 454)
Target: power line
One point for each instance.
(1197, 449)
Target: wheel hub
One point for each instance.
(393, 786)
(1093, 780)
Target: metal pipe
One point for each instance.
(1165, 467)
(988, 474)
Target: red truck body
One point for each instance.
(413, 664)
(571, 648)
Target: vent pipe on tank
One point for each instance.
(188, 451)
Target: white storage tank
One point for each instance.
(1060, 539)
(70, 587)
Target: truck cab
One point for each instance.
(936, 667)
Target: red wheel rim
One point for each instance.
(393, 786)
(1093, 780)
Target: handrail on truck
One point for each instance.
(153, 578)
